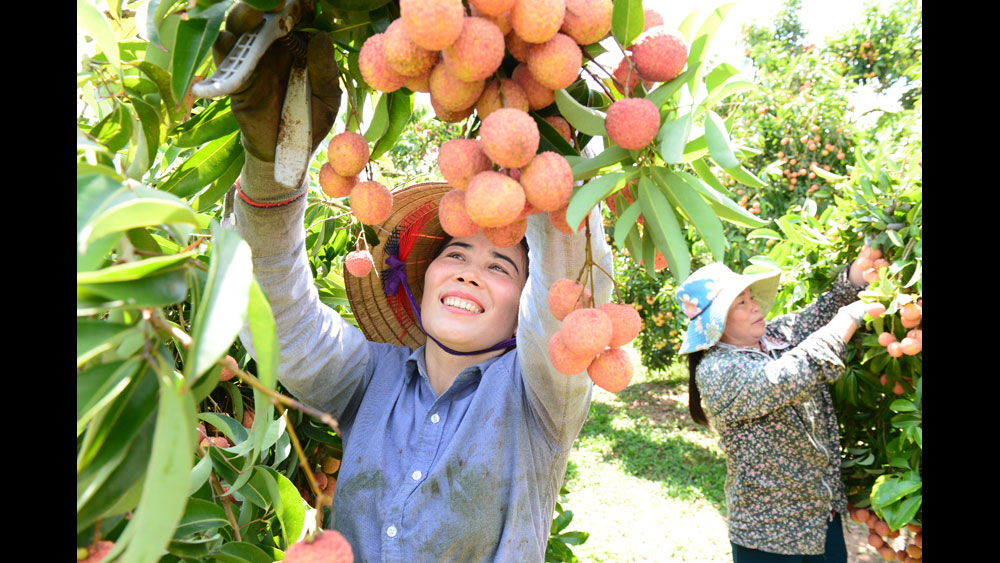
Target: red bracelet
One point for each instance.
(263, 205)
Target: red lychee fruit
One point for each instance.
(539, 95)
(327, 546)
(556, 63)
(504, 93)
(447, 115)
(432, 24)
(565, 296)
(461, 159)
(509, 137)
(477, 52)
(334, 185)
(627, 76)
(371, 202)
(611, 370)
(419, 83)
(452, 93)
(375, 69)
(536, 21)
(348, 153)
(625, 323)
(493, 199)
(217, 441)
(403, 55)
(565, 361)
(547, 181)
(558, 220)
(587, 331)
(492, 7)
(248, 416)
(659, 54)
(229, 370)
(651, 18)
(632, 123)
(561, 126)
(330, 465)
(454, 220)
(587, 21)
(507, 235)
(97, 551)
(359, 263)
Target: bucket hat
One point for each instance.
(706, 295)
(386, 306)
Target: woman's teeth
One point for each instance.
(462, 304)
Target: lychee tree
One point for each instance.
(175, 459)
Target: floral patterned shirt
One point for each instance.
(776, 423)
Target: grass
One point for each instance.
(646, 482)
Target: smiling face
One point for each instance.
(471, 293)
(745, 322)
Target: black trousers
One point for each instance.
(836, 550)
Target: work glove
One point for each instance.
(257, 107)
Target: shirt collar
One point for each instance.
(416, 365)
(768, 344)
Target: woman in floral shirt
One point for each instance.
(764, 390)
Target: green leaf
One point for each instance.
(828, 176)
(705, 221)
(764, 234)
(115, 130)
(557, 143)
(590, 194)
(161, 78)
(96, 336)
(135, 270)
(902, 405)
(719, 145)
(291, 510)
(673, 138)
(704, 172)
(140, 212)
(745, 177)
(901, 513)
(200, 472)
(627, 21)
(400, 110)
(204, 166)
(664, 91)
(224, 302)
(155, 290)
(584, 119)
(199, 516)
(192, 45)
(206, 199)
(725, 208)
(242, 552)
(149, 123)
(97, 26)
(215, 121)
(584, 168)
(889, 489)
(663, 227)
(718, 76)
(730, 88)
(626, 223)
(698, 52)
(267, 354)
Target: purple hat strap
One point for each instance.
(395, 277)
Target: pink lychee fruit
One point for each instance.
(452, 93)
(625, 323)
(537, 21)
(556, 63)
(539, 95)
(328, 546)
(371, 202)
(375, 69)
(507, 235)
(547, 181)
(334, 185)
(587, 21)
(461, 159)
(493, 199)
(566, 296)
(477, 52)
(503, 93)
(509, 137)
(432, 24)
(358, 263)
(451, 213)
(403, 55)
(659, 54)
(632, 123)
(611, 370)
(564, 360)
(348, 153)
(587, 331)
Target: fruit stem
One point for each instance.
(226, 505)
(302, 457)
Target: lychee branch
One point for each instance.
(303, 463)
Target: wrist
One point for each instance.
(259, 188)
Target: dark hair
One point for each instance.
(694, 396)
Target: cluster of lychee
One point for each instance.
(657, 55)
(498, 180)
(326, 546)
(326, 480)
(591, 339)
(438, 48)
(880, 536)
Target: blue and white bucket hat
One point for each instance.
(706, 295)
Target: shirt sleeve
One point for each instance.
(743, 384)
(325, 361)
(795, 327)
(560, 402)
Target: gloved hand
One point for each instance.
(257, 107)
(855, 311)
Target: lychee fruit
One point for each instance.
(420, 83)
(492, 7)
(509, 137)
(587, 21)
(452, 93)
(403, 55)
(447, 115)
(611, 370)
(651, 18)
(587, 331)
(330, 465)
(371, 202)
(432, 24)
(502, 20)
(229, 369)
(565, 361)
(477, 52)
(556, 63)
(503, 93)
(348, 153)
(659, 54)
(334, 185)
(561, 126)
(461, 159)
(507, 235)
(537, 21)
(627, 76)
(558, 220)
(518, 47)
(453, 217)
(547, 181)
(375, 69)
(248, 416)
(358, 263)
(217, 441)
(493, 199)
(625, 323)
(328, 546)
(320, 480)
(539, 95)
(565, 296)
(97, 551)
(632, 123)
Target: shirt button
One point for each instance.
(416, 475)
(391, 532)
(435, 418)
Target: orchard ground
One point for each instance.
(646, 482)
